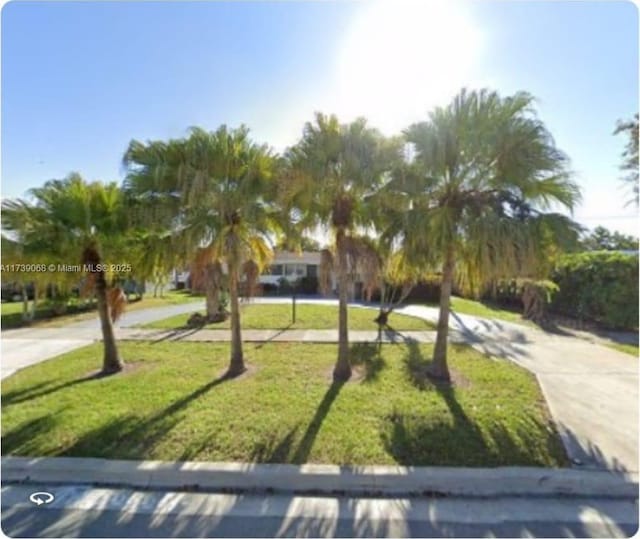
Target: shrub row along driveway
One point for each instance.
(591, 390)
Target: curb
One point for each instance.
(321, 478)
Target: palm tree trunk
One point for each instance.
(111, 362)
(342, 369)
(236, 365)
(439, 368)
(212, 292)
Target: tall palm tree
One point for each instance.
(473, 198)
(217, 189)
(630, 155)
(332, 170)
(76, 218)
(232, 178)
(155, 207)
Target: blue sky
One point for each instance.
(80, 80)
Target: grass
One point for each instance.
(278, 316)
(486, 310)
(632, 349)
(11, 313)
(171, 404)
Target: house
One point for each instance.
(292, 266)
(286, 267)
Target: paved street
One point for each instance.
(97, 512)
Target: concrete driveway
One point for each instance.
(27, 346)
(591, 390)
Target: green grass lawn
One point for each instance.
(278, 316)
(626, 348)
(170, 404)
(11, 313)
(486, 310)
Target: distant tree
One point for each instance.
(602, 239)
(630, 156)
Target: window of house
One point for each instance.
(276, 269)
(295, 270)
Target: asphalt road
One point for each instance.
(90, 512)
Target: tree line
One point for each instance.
(473, 193)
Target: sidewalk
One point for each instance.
(224, 335)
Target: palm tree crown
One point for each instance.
(478, 193)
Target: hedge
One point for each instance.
(600, 285)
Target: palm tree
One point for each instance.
(25, 248)
(155, 255)
(232, 178)
(630, 155)
(217, 191)
(155, 207)
(484, 171)
(332, 170)
(75, 219)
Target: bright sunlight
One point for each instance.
(400, 58)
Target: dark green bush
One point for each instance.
(308, 285)
(600, 286)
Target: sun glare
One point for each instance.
(400, 58)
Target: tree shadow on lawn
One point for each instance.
(19, 395)
(277, 448)
(36, 391)
(306, 444)
(132, 436)
(25, 438)
(457, 440)
(123, 437)
(368, 357)
(282, 447)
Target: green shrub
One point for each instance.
(600, 286)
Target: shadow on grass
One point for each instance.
(15, 397)
(25, 438)
(124, 437)
(306, 444)
(276, 449)
(279, 446)
(456, 439)
(367, 356)
(18, 395)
